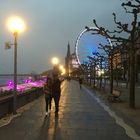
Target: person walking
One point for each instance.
(48, 94)
(56, 92)
(80, 82)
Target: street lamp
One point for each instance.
(55, 62)
(61, 67)
(16, 25)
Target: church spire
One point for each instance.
(68, 50)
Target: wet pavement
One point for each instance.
(82, 116)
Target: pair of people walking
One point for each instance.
(52, 90)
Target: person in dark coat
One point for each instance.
(48, 94)
(80, 82)
(56, 92)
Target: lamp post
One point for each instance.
(16, 25)
(15, 72)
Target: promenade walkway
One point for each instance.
(82, 116)
(123, 106)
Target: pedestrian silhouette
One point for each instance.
(80, 82)
(56, 92)
(48, 94)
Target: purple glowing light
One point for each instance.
(23, 87)
(37, 83)
(10, 83)
(27, 80)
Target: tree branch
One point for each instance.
(130, 4)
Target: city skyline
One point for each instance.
(50, 26)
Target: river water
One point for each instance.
(5, 79)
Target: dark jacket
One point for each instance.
(47, 88)
(56, 87)
(80, 81)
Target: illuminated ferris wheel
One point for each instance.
(88, 42)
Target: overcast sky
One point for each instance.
(50, 25)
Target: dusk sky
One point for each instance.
(51, 24)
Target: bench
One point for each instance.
(115, 96)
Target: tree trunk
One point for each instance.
(132, 77)
(101, 73)
(111, 74)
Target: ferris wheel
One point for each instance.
(88, 42)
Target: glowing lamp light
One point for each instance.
(16, 24)
(61, 67)
(63, 72)
(55, 60)
(100, 72)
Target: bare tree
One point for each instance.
(93, 61)
(109, 50)
(131, 7)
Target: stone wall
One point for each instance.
(6, 102)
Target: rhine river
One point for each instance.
(5, 79)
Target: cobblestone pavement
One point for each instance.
(82, 116)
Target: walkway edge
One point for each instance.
(128, 129)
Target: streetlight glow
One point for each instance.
(100, 72)
(55, 60)
(16, 24)
(63, 71)
(61, 67)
